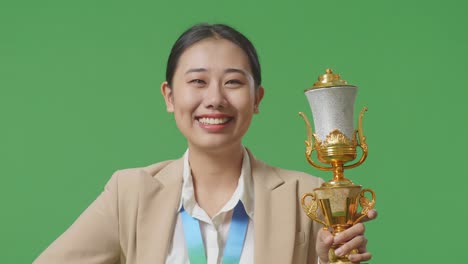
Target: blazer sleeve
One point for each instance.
(94, 236)
(314, 229)
(312, 256)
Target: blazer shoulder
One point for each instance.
(133, 178)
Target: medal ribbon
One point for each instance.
(234, 243)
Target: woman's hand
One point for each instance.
(352, 238)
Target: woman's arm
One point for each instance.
(93, 238)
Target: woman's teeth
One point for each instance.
(213, 121)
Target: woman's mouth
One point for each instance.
(214, 123)
(214, 120)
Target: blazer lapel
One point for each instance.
(274, 215)
(159, 202)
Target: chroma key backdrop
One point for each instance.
(80, 98)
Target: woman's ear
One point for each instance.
(258, 98)
(168, 97)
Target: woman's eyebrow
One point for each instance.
(243, 72)
(196, 70)
(228, 70)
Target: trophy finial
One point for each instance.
(329, 79)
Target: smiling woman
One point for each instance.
(213, 95)
(218, 203)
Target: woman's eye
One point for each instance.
(233, 82)
(197, 81)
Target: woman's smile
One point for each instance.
(214, 123)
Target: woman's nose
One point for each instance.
(215, 97)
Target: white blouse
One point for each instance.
(214, 230)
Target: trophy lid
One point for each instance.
(329, 79)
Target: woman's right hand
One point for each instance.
(352, 238)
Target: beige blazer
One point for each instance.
(133, 220)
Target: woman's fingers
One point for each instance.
(350, 233)
(360, 257)
(358, 242)
(371, 215)
(353, 238)
(324, 243)
(362, 249)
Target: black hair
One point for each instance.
(203, 31)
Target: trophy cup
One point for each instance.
(335, 141)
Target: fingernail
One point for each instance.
(339, 252)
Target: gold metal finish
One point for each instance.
(339, 198)
(329, 79)
(362, 141)
(365, 203)
(310, 146)
(311, 208)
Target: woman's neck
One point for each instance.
(215, 176)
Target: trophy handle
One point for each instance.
(311, 208)
(310, 146)
(365, 203)
(362, 141)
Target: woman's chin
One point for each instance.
(215, 143)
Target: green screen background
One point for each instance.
(80, 98)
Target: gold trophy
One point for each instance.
(335, 141)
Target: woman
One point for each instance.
(217, 204)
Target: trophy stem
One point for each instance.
(338, 175)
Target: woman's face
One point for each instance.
(213, 97)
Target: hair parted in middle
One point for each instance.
(203, 31)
